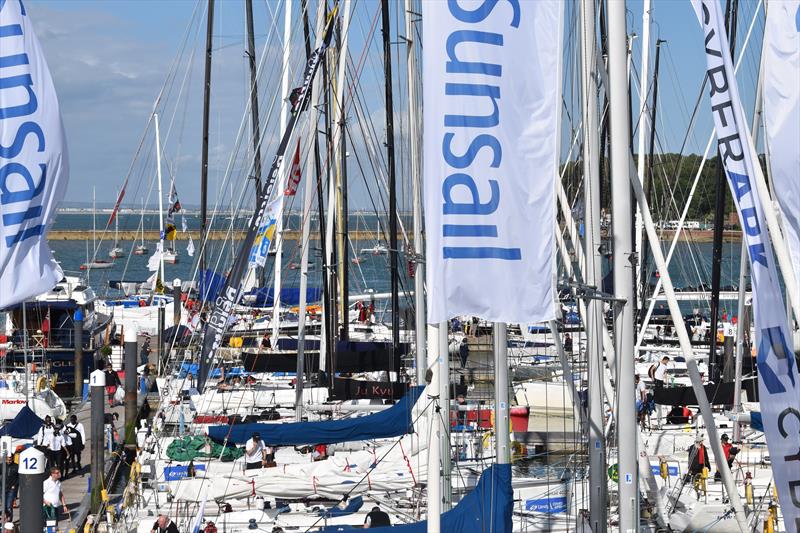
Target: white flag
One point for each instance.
(190, 247)
(778, 387)
(782, 116)
(34, 167)
(198, 520)
(154, 263)
(491, 122)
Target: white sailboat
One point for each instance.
(93, 262)
(116, 251)
(141, 249)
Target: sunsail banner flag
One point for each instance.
(778, 386)
(34, 166)
(782, 116)
(491, 97)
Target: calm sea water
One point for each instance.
(371, 273)
(690, 266)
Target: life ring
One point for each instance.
(41, 383)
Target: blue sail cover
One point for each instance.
(265, 296)
(392, 422)
(24, 426)
(487, 509)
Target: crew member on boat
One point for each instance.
(254, 452)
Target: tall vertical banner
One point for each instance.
(779, 390)
(491, 95)
(33, 160)
(781, 97)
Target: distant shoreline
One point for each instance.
(698, 236)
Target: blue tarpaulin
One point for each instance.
(352, 506)
(486, 509)
(392, 422)
(265, 296)
(24, 426)
(210, 285)
(192, 368)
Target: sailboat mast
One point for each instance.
(251, 60)
(643, 128)
(623, 267)
(204, 151)
(591, 159)
(341, 179)
(160, 197)
(276, 293)
(416, 184)
(94, 226)
(719, 220)
(308, 200)
(387, 68)
(647, 185)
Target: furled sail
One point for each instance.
(392, 422)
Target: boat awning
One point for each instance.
(66, 305)
(392, 422)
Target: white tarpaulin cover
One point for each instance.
(33, 160)
(782, 116)
(778, 378)
(491, 95)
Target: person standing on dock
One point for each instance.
(77, 436)
(112, 382)
(12, 486)
(52, 495)
(58, 446)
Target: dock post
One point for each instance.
(176, 302)
(97, 381)
(31, 479)
(131, 360)
(77, 320)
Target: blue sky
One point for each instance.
(110, 58)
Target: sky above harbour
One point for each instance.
(110, 59)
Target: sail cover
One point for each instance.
(392, 422)
(33, 160)
(24, 426)
(486, 509)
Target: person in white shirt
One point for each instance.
(52, 495)
(77, 436)
(42, 437)
(58, 448)
(254, 451)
